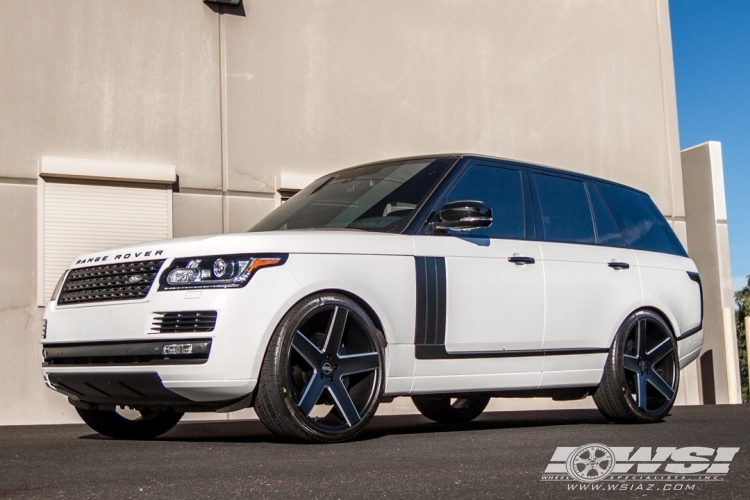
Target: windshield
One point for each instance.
(381, 197)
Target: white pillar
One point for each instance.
(708, 246)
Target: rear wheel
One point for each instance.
(322, 376)
(111, 424)
(642, 374)
(451, 410)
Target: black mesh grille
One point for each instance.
(182, 322)
(126, 281)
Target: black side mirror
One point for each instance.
(463, 216)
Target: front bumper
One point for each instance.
(139, 390)
(117, 339)
(134, 353)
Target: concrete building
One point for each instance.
(129, 120)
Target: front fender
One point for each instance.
(387, 284)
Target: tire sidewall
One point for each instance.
(286, 329)
(618, 351)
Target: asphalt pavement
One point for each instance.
(501, 454)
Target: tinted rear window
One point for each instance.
(640, 221)
(607, 232)
(566, 214)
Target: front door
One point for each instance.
(480, 293)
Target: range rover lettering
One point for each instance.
(449, 279)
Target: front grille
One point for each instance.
(126, 281)
(184, 322)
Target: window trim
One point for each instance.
(118, 171)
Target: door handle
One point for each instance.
(619, 265)
(519, 259)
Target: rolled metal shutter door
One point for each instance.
(81, 217)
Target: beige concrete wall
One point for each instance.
(23, 396)
(132, 80)
(309, 87)
(582, 85)
(708, 243)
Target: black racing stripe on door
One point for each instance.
(431, 301)
(429, 331)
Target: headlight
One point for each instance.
(217, 271)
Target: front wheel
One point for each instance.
(642, 374)
(451, 410)
(322, 376)
(111, 424)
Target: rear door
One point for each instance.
(591, 278)
(669, 281)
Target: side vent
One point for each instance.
(184, 322)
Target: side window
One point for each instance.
(607, 232)
(566, 214)
(500, 188)
(641, 223)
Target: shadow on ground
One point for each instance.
(252, 431)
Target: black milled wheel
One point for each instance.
(111, 424)
(642, 374)
(449, 409)
(323, 374)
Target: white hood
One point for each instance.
(301, 241)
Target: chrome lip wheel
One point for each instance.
(650, 365)
(333, 362)
(592, 462)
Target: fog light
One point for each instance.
(174, 349)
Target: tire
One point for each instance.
(326, 357)
(445, 409)
(642, 373)
(111, 424)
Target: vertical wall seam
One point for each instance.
(223, 127)
(40, 238)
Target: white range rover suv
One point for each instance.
(450, 279)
